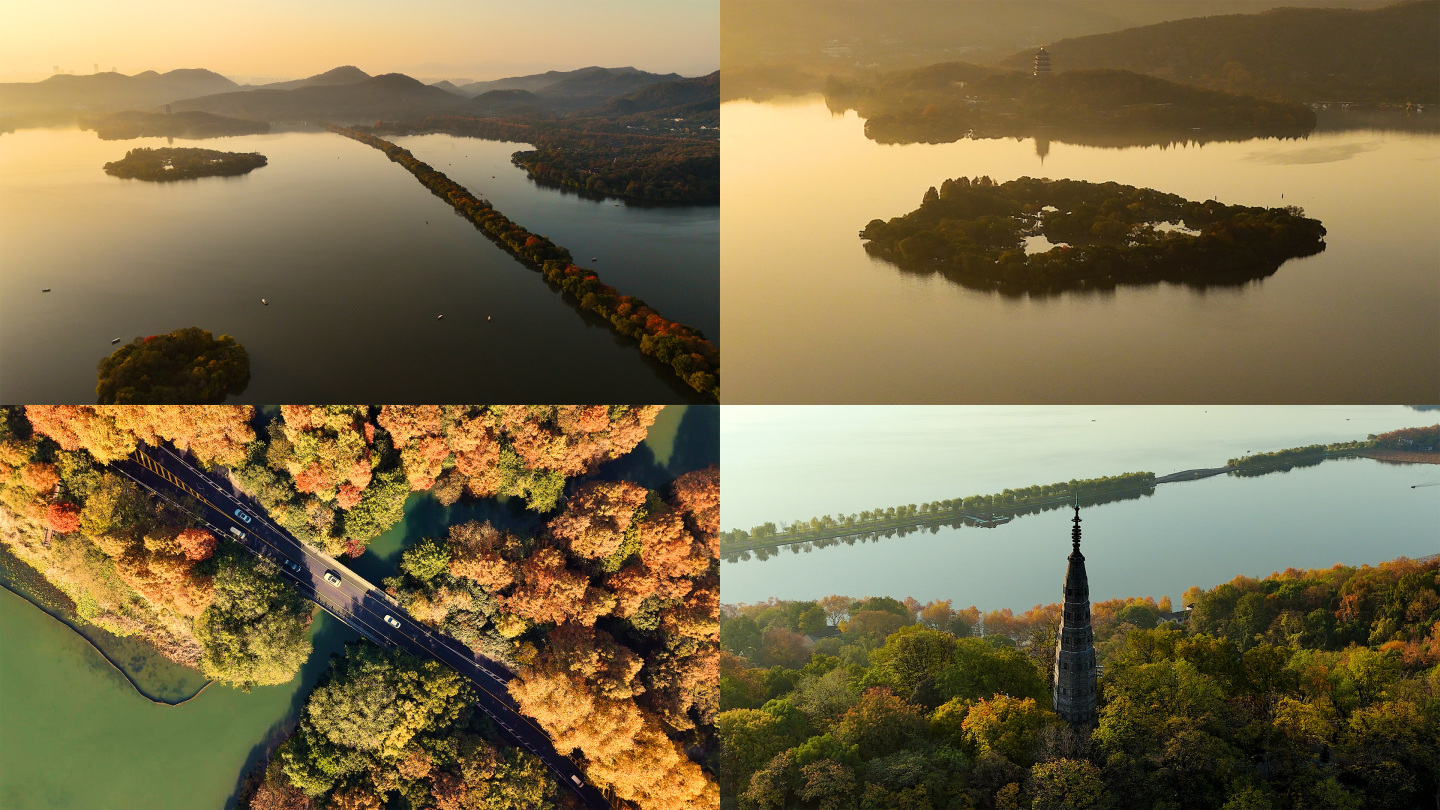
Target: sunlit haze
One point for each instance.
(268, 40)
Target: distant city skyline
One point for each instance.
(272, 41)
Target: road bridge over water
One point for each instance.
(355, 602)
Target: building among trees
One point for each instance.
(1074, 696)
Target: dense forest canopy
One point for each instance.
(1305, 689)
(607, 615)
(950, 101)
(182, 163)
(1388, 54)
(975, 231)
(187, 366)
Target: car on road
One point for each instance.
(392, 621)
(293, 566)
(239, 534)
(576, 780)
(332, 578)
(240, 513)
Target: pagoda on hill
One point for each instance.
(1075, 698)
(1042, 62)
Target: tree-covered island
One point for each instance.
(185, 367)
(976, 232)
(954, 100)
(177, 163)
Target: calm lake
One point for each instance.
(811, 318)
(78, 735)
(356, 259)
(843, 460)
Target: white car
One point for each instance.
(239, 534)
(576, 780)
(392, 621)
(332, 578)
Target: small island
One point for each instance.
(161, 165)
(1042, 234)
(129, 124)
(185, 367)
(1111, 108)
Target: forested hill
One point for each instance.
(1390, 54)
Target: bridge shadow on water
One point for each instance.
(329, 638)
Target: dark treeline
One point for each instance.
(1306, 689)
(974, 231)
(138, 124)
(950, 101)
(1416, 441)
(1010, 502)
(185, 367)
(685, 349)
(586, 157)
(175, 163)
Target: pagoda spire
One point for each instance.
(1074, 696)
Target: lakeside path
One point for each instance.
(992, 518)
(692, 357)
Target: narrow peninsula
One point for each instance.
(1046, 235)
(685, 349)
(162, 165)
(122, 126)
(955, 100)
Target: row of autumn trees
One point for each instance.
(609, 618)
(685, 349)
(1023, 500)
(587, 156)
(138, 566)
(976, 228)
(335, 476)
(1306, 689)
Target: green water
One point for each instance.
(156, 676)
(74, 733)
(683, 438)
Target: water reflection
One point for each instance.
(809, 318)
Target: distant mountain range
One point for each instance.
(1389, 54)
(350, 94)
(110, 91)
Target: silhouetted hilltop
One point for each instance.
(448, 86)
(392, 95)
(1390, 54)
(347, 74)
(110, 91)
(536, 81)
(505, 102)
(697, 94)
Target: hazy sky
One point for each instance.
(479, 39)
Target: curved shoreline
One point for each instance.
(107, 658)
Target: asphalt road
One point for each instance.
(357, 603)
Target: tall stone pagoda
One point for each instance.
(1074, 697)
